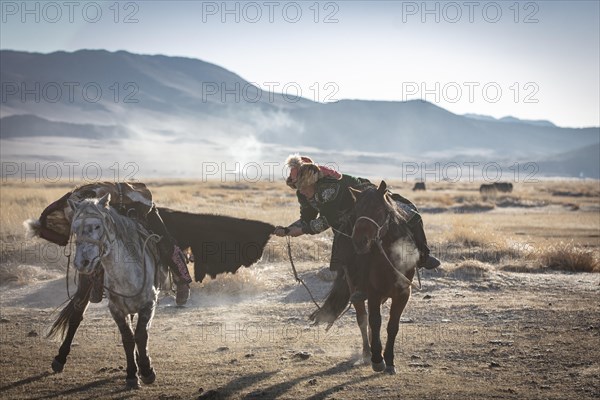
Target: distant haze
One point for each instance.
(173, 116)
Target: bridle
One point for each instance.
(104, 238)
(379, 240)
(379, 236)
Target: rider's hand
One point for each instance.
(295, 231)
(280, 231)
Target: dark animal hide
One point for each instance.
(219, 243)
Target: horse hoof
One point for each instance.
(366, 358)
(378, 367)
(57, 366)
(390, 369)
(150, 378)
(132, 383)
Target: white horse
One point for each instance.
(128, 254)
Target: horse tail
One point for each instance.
(72, 314)
(336, 301)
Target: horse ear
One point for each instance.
(104, 200)
(355, 193)
(382, 188)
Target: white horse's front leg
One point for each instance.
(141, 339)
(123, 323)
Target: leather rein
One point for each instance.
(379, 242)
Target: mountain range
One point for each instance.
(157, 110)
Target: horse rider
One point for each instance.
(133, 200)
(326, 202)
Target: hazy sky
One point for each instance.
(532, 60)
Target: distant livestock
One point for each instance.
(487, 190)
(505, 187)
(491, 189)
(419, 186)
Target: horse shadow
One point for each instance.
(79, 389)
(238, 384)
(25, 381)
(91, 385)
(234, 387)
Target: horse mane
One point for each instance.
(398, 218)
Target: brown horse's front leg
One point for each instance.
(377, 362)
(398, 304)
(363, 322)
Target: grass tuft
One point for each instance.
(570, 258)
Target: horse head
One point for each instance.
(372, 217)
(92, 242)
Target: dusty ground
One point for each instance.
(491, 335)
(475, 331)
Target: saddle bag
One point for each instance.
(130, 199)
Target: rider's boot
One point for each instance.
(172, 256)
(426, 260)
(182, 276)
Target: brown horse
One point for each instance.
(381, 233)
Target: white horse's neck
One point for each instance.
(129, 270)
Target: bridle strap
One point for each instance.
(379, 227)
(105, 218)
(379, 241)
(101, 243)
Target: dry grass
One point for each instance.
(502, 232)
(469, 270)
(560, 192)
(464, 240)
(463, 234)
(569, 257)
